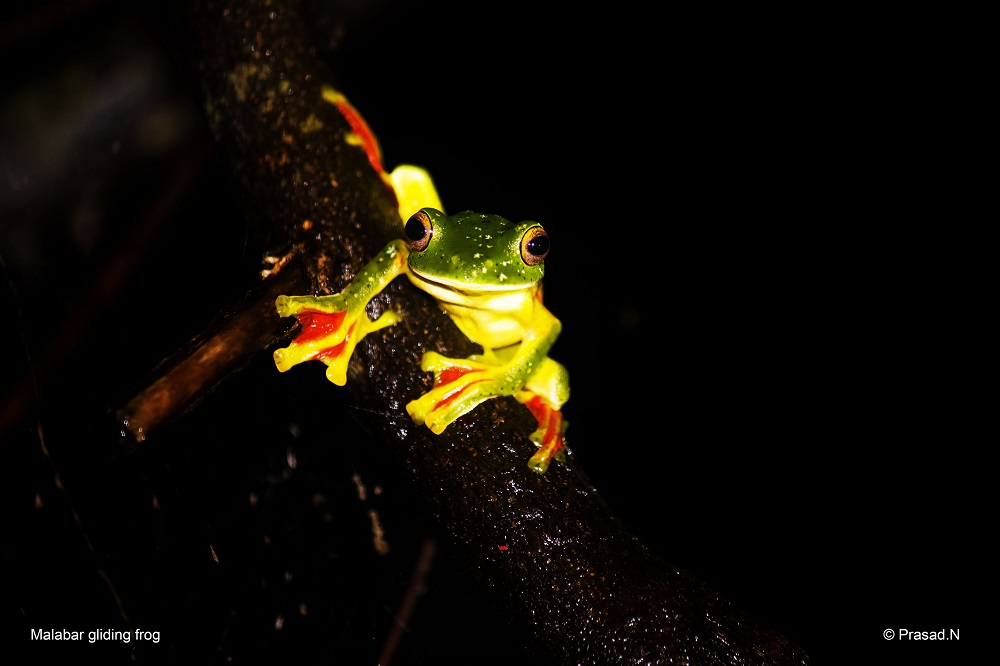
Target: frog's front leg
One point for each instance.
(333, 325)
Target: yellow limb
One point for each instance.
(414, 190)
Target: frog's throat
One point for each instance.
(510, 299)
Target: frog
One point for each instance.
(484, 271)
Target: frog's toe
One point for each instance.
(442, 405)
(432, 362)
(283, 306)
(553, 442)
(539, 463)
(289, 306)
(427, 417)
(293, 306)
(424, 411)
(335, 355)
(439, 419)
(550, 446)
(285, 358)
(549, 435)
(388, 318)
(449, 367)
(336, 372)
(417, 410)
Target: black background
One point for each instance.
(760, 311)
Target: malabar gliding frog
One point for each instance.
(485, 272)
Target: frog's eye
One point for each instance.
(418, 231)
(534, 246)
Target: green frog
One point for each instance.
(485, 272)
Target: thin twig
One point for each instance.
(414, 589)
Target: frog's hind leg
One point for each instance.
(544, 395)
(414, 190)
(549, 435)
(457, 384)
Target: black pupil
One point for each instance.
(414, 229)
(538, 245)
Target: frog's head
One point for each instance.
(475, 252)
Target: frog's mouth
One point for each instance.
(464, 287)
(462, 293)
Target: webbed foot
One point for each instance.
(462, 384)
(549, 436)
(459, 386)
(331, 328)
